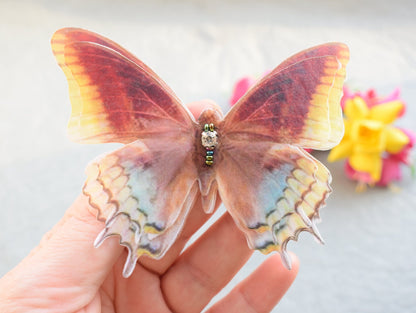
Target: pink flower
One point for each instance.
(371, 98)
(347, 94)
(352, 174)
(404, 155)
(393, 154)
(241, 88)
(391, 165)
(391, 170)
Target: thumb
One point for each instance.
(197, 107)
(71, 244)
(66, 258)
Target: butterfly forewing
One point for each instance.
(341, 52)
(114, 96)
(297, 103)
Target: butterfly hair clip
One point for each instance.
(252, 158)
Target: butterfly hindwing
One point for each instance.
(144, 192)
(273, 192)
(114, 96)
(297, 103)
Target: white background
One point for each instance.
(369, 261)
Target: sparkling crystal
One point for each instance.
(209, 139)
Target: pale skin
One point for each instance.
(65, 273)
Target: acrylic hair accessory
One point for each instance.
(252, 158)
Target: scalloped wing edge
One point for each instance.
(299, 209)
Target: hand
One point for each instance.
(65, 273)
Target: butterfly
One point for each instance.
(252, 158)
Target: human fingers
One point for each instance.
(197, 217)
(197, 107)
(81, 211)
(205, 267)
(260, 291)
(66, 266)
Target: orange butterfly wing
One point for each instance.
(268, 183)
(145, 189)
(296, 103)
(115, 97)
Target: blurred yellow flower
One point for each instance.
(368, 134)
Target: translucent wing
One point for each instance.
(144, 192)
(115, 97)
(273, 192)
(297, 103)
(269, 184)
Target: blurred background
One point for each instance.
(200, 49)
